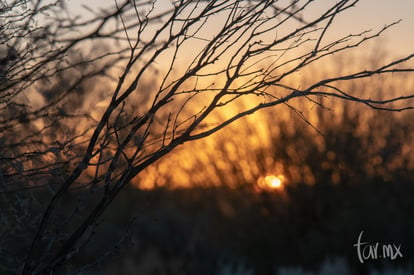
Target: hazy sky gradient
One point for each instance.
(376, 13)
(366, 14)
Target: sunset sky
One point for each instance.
(367, 14)
(375, 13)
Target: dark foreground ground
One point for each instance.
(225, 231)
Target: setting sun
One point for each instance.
(271, 182)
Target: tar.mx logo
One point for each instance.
(373, 251)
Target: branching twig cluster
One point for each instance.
(206, 56)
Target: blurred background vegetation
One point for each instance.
(356, 174)
(347, 168)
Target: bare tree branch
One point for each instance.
(160, 71)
